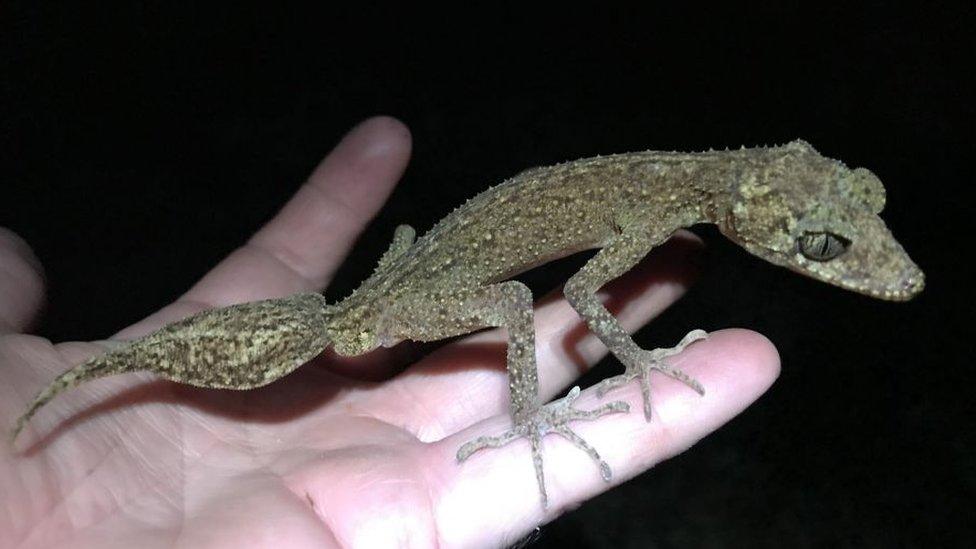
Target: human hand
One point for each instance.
(342, 452)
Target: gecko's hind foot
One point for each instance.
(550, 418)
(648, 361)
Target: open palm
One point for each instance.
(343, 452)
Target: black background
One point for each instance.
(140, 144)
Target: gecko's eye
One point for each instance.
(821, 246)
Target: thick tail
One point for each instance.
(237, 347)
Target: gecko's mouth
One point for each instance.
(906, 286)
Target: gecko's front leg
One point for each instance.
(509, 305)
(616, 258)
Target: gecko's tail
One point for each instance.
(237, 347)
(93, 368)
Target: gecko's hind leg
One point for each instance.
(549, 418)
(654, 360)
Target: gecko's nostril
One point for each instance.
(912, 283)
(915, 282)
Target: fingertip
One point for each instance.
(390, 133)
(9, 240)
(380, 137)
(21, 282)
(753, 352)
(300, 248)
(364, 166)
(735, 366)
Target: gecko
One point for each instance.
(786, 204)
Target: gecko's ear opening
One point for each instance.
(867, 188)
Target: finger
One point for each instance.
(497, 488)
(300, 248)
(466, 382)
(21, 283)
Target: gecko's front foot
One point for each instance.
(648, 361)
(550, 418)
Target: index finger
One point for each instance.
(301, 247)
(495, 490)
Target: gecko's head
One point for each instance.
(818, 217)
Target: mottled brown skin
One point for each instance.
(788, 205)
(220, 348)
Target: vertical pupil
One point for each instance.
(824, 245)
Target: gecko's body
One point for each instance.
(788, 205)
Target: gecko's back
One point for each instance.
(546, 213)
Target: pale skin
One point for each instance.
(411, 425)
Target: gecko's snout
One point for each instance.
(912, 284)
(901, 287)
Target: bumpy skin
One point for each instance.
(788, 205)
(238, 347)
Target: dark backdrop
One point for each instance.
(140, 144)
